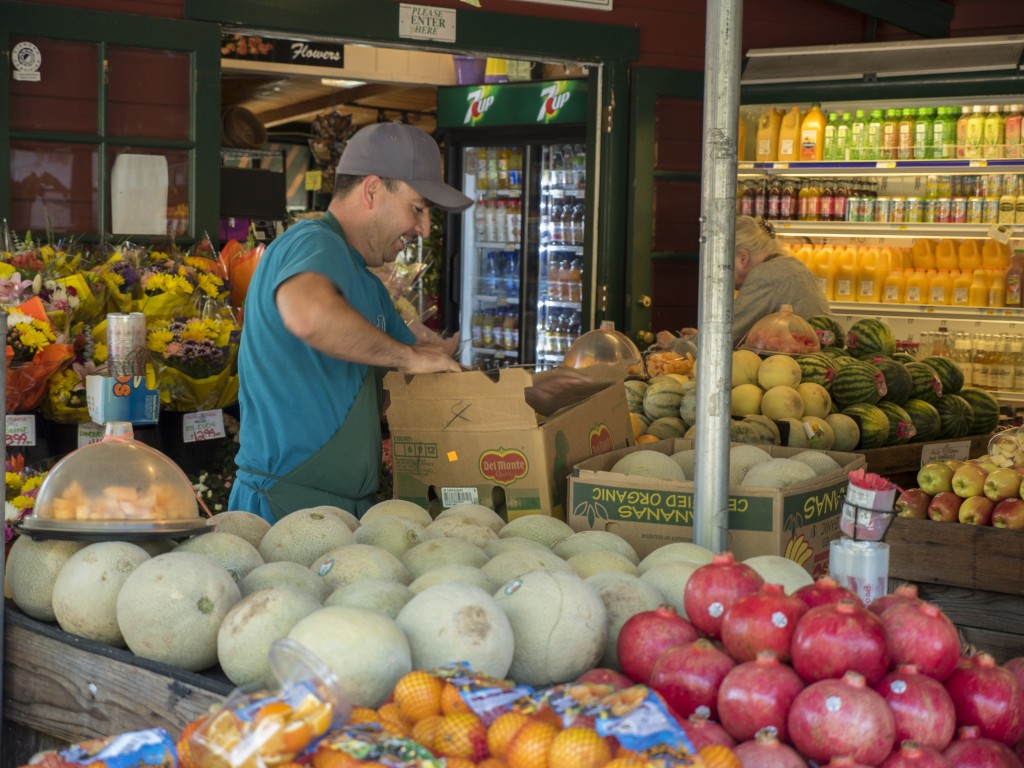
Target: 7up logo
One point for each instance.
(554, 98)
(480, 100)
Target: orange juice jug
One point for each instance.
(895, 288)
(823, 266)
(846, 276)
(994, 254)
(741, 138)
(917, 287)
(812, 134)
(923, 254)
(969, 256)
(870, 276)
(946, 254)
(997, 287)
(789, 135)
(962, 288)
(768, 124)
(978, 294)
(940, 289)
(806, 254)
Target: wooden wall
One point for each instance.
(170, 9)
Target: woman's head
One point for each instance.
(755, 241)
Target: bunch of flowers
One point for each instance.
(34, 355)
(65, 400)
(195, 362)
(21, 486)
(213, 484)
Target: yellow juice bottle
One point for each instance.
(978, 293)
(969, 256)
(741, 138)
(917, 287)
(870, 275)
(923, 254)
(895, 287)
(768, 124)
(893, 257)
(806, 254)
(962, 280)
(789, 135)
(812, 134)
(997, 287)
(947, 254)
(824, 268)
(995, 254)
(940, 289)
(846, 276)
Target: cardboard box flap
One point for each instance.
(470, 401)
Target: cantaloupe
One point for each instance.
(397, 508)
(591, 541)
(507, 566)
(32, 569)
(454, 573)
(686, 551)
(237, 555)
(821, 463)
(450, 623)
(367, 651)
(776, 370)
(778, 473)
(559, 623)
(395, 534)
(745, 365)
(350, 520)
(797, 436)
(649, 464)
(252, 625)
(820, 435)
(742, 458)
(511, 542)
(817, 400)
(541, 528)
(587, 564)
(442, 551)
(284, 573)
(780, 570)
(845, 430)
(381, 595)
(478, 512)
(623, 596)
(241, 523)
(466, 528)
(745, 400)
(353, 562)
(305, 535)
(687, 461)
(782, 402)
(670, 579)
(85, 591)
(154, 547)
(171, 607)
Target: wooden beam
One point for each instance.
(928, 18)
(338, 98)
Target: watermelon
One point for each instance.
(986, 410)
(816, 368)
(956, 416)
(925, 417)
(904, 357)
(873, 424)
(926, 383)
(830, 333)
(898, 382)
(949, 373)
(857, 382)
(869, 338)
(901, 426)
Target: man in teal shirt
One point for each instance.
(319, 324)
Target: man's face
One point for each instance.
(402, 216)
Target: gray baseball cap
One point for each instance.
(398, 151)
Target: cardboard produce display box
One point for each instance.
(797, 522)
(469, 437)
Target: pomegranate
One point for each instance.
(844, 761)
(605, 676)
(757, 694)
(1019, 751)
(920, 706)
(762, 621)
(920, 633)
(833, 718)
(714, 587)
(972, 750)
(913, 755)
(766, 751)
(704, 732)
(688, 677)
(824, 591)
(989, 697)
(902, 594)
(1017, 667)
(645, 635)
(832, 639)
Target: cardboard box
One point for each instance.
(468, 437)
(796, 522)
(122, 398)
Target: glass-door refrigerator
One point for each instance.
(515, 262)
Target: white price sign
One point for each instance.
(89, 432)
(203, 425)
(21, 430)
(960, 450)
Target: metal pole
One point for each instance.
(717, 240)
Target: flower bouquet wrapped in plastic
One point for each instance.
(20, 489)
(65, 401)
(173, 283)
(120, 273)
(238, 263)
(33, 355)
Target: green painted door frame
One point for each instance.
(611, 47)
(200, 41)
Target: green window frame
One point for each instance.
(200, 42)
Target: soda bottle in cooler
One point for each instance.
(512, 221)
(487, 329)
(511, 274)
(489, 272)
(480, 220)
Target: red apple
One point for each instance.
(913, 502)
(1009, 513)
(945, 507)
(976, 510)
(935, 477)
(605, 676)
(1002, 483)
(969, 480)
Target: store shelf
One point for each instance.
(570, 247)
(561, 304)
(497, 245)
(747, 170)
(930, 311)
(486, 298)
(912, 230)
(505, 354)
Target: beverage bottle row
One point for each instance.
(496, 168)
(564, 277)
(498, 221)
(992, 361)
(556, 332)
(564, 166)
(562, 217)
(496, 328)
(499, 274)
(895, 133)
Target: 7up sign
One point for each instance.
(503, 105)
(480, 100)
(553, 98)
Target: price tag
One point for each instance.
(885, 165)
(21, 430)
(960, 450)
(89, 432)
(978, 164)
(314, 181)
(203, 425)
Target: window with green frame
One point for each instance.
(111, 127)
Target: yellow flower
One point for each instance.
(33, 482)
(100, 355)
(34, 338)
(13, 482)
(23, 502)
(209, 284)
(194, 331)
(158, 340)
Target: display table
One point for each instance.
(900, 463)
(61, 689)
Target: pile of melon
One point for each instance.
(530, 599)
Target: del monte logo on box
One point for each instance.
(503, 466)
(480, 100)
(553, 98)
(600, 439)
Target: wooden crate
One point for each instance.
(61, 689)
(900, 463)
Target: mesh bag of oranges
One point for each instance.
(662, 361)
(134, 749)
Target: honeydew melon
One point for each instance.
(745, 365)
(817, 400)
(587, 564)
(746, 400)
(354, 562)
(477, 512)
(846, 431)
(381, 595)
(463, 528)
(778, 370)
(32, 570)
(589, 541)
(305, 535)
(623, 595)
(283, 573)
(778, 473)
(397, 508)
(237, 555)
(454, 573)
(782, 402)
(395, 534)
(442, 551)
(241, 523)
(541, 528)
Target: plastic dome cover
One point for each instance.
(782, 332)
(116, 479)
(607, 350)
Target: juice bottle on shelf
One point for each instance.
(961, 131)
(788, 201)
(923, 254)
(804, 253)
(890, 135)
(980, 365)
(891, 258)
(993, 133)
(961, 288)
(917, 287)
(812, 134)
(924, 133)
(1015, 281)
(978, 294)
(975, 134)
(826, 198)
(1012, 132)
(997, 287)
(946, 254)
(1008, 200)
(871, 275)
(824, 268)
(905, 134)
(969, 255)
(741, 138)
(872, 149)
(845, 276)
(1018, 208)
(995, 254)
(789, 135)
(858, 135)
(830, 137)
(773, 207)
(938, 138)
(843, 133)
(940, 289)
(768, 124)
(894, 289)
(840, 194)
